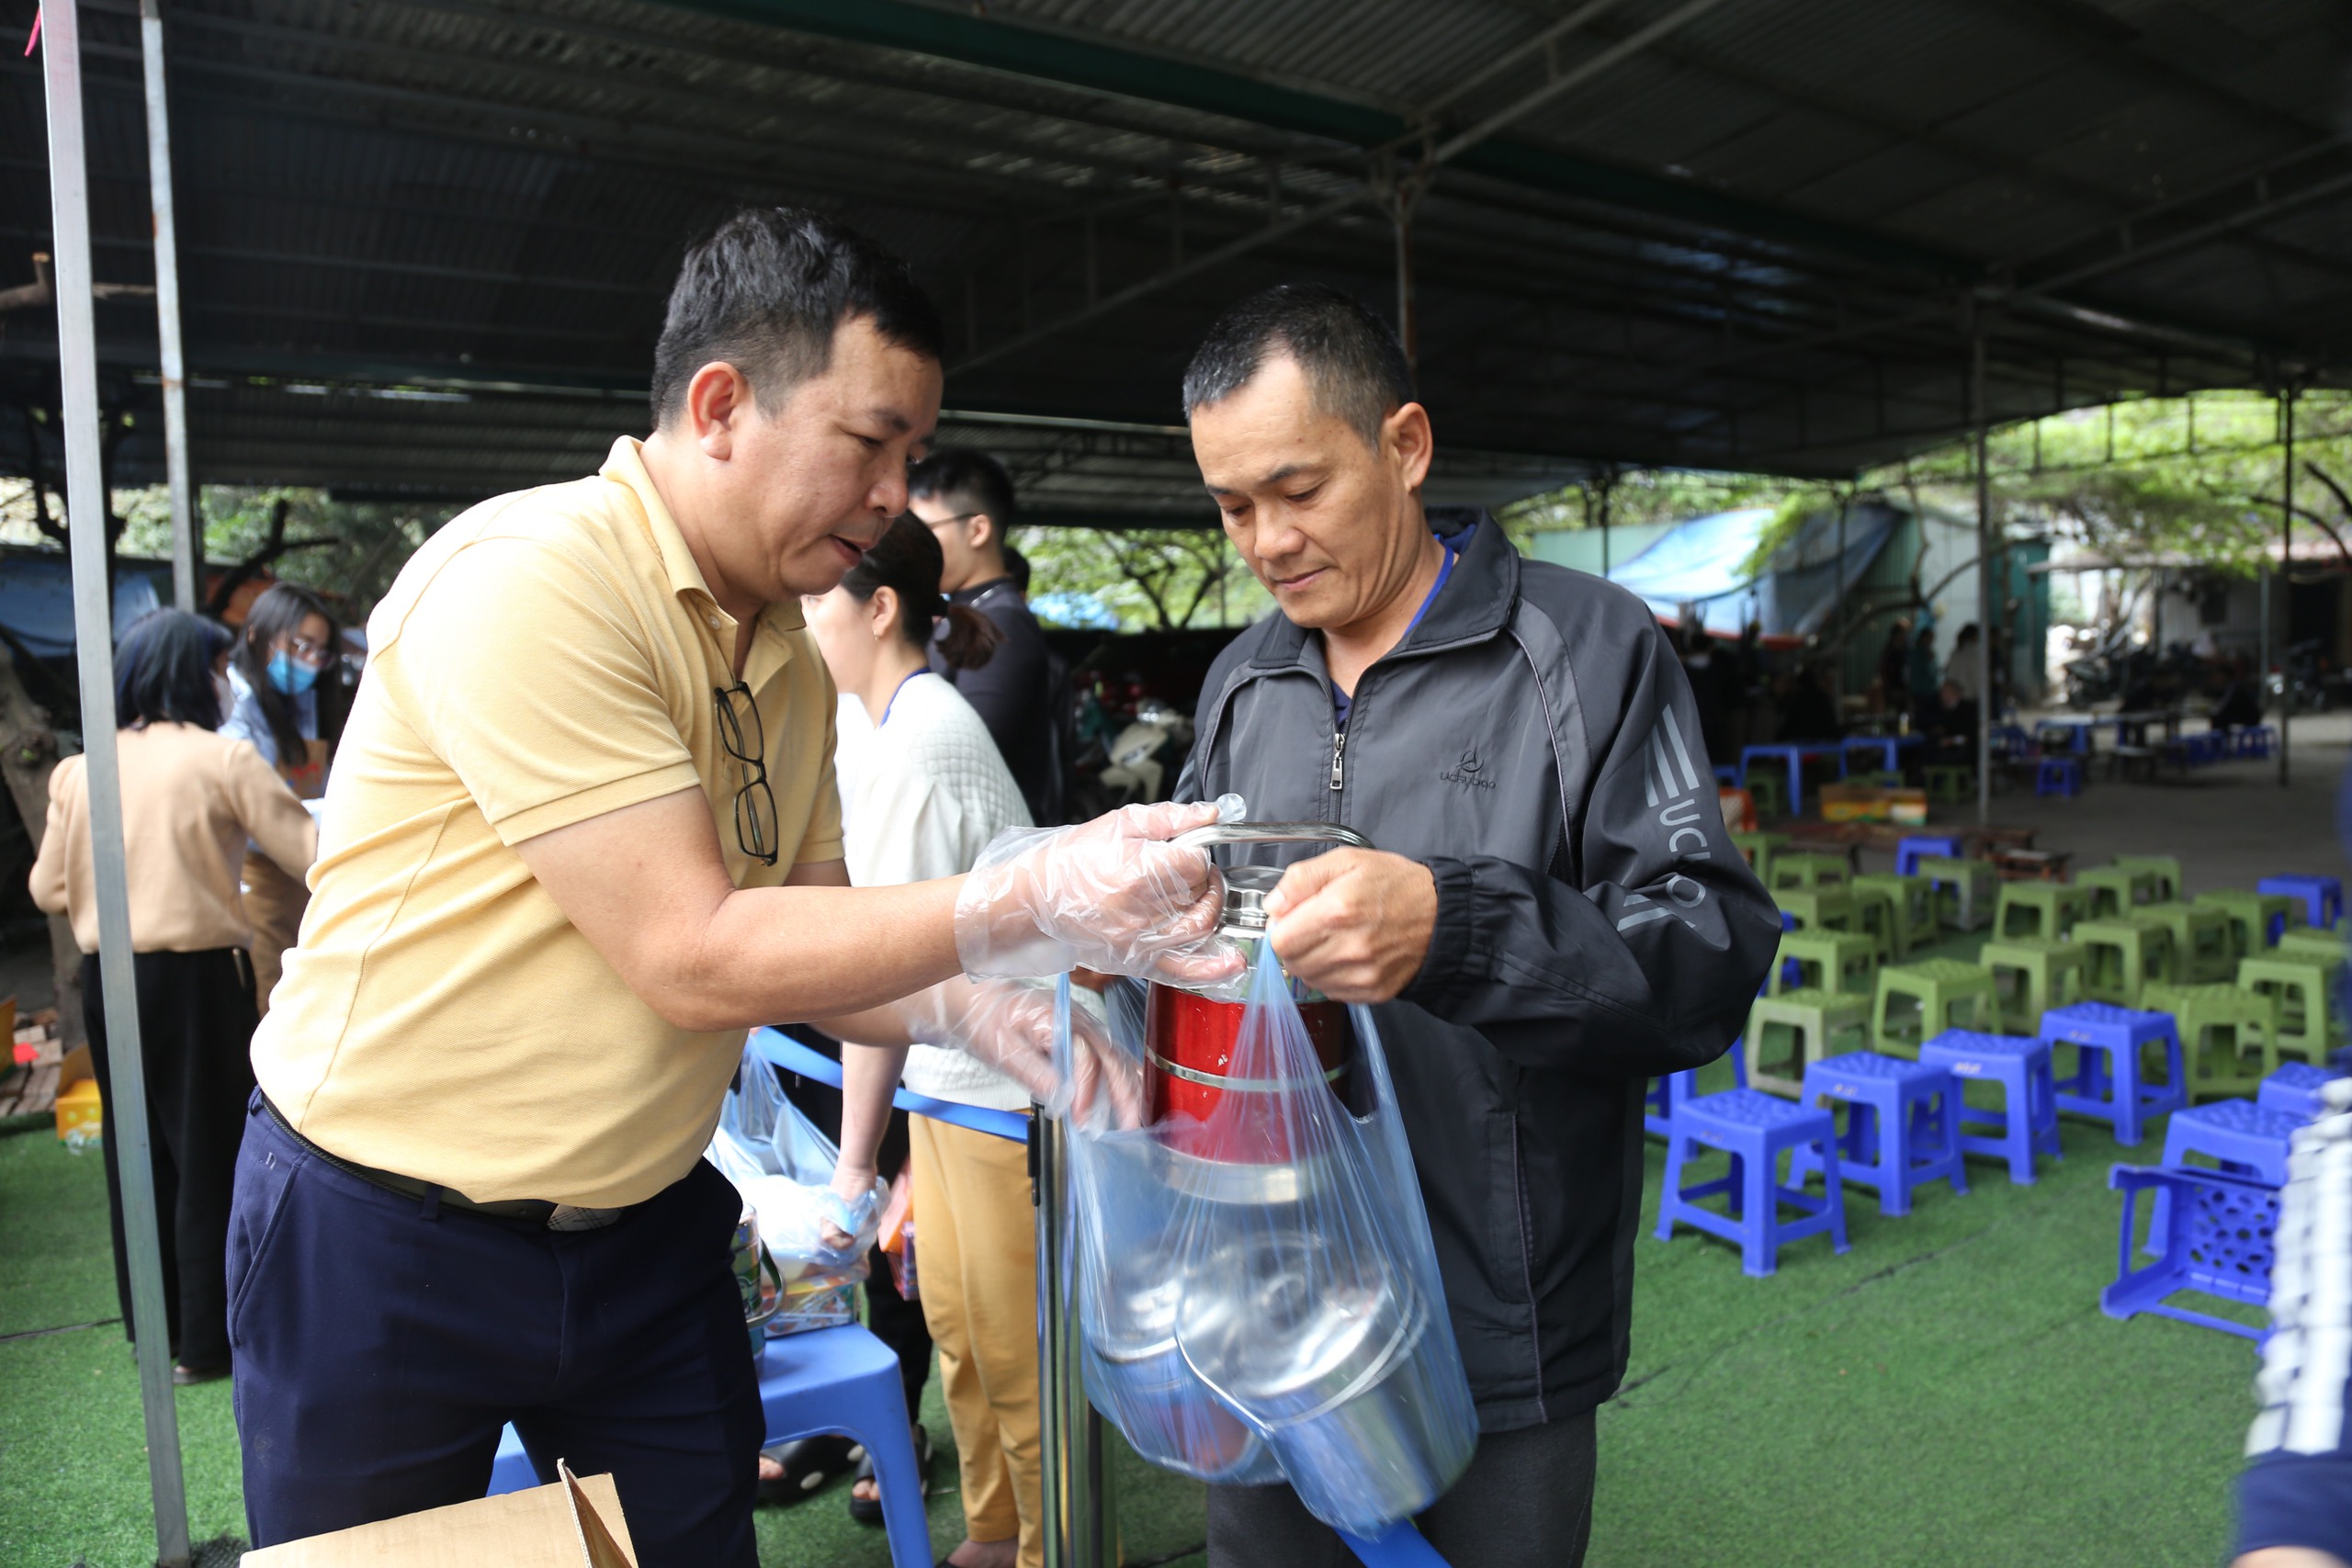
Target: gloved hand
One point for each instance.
(1009, 1025)
(1109, 895)
(822, 1225)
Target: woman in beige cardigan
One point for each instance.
(191, 801)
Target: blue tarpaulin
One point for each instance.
(1702, 565)
(37, 599)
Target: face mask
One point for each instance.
(227, 693)
(289, 677)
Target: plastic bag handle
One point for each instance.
(1270, 834)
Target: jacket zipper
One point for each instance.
(1339, 756)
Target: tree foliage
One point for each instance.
(1148, 578)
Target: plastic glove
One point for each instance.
(1009, 1025)
(1109, 895)
(815, 1224)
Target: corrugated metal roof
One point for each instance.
(1744, 243)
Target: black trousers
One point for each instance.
(196, 1032)
(1525, 1502)
(890, 1317)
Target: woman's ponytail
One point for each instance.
(971, 638)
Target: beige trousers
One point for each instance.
(975, 1260)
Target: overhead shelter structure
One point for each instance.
(424, 243)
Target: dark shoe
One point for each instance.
(184, 1377)
(868, 1510)
(809, 1464)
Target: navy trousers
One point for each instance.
(382, 1341)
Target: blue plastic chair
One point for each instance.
(2322, 896)
(2293, 1090)
(831, 1380)
(2106, 1082)
(1754, 1128)
(2218, 1239)
(1902, 1125)
(1916, 847)
(2028, 1123)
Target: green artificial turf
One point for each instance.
(1946, 1392)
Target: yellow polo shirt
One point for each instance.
(546, 657)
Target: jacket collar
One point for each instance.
(1480, 595)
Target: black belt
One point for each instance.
(554, 1216)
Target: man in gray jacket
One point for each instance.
(1554, 914)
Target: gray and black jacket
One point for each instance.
(1534, 741)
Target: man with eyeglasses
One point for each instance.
(582, 834)
(966, 499)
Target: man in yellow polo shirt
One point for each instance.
(582, 833)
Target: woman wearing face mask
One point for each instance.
(192, 800)
(923, 790)
(288, 641)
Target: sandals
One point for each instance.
(809, 1465)
(868, 1510)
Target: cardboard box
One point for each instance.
(1908, 807)
(1854, 803)
(571, 1524)
(79, 1114)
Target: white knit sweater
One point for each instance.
(921, 796)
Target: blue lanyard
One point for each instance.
(894, 697)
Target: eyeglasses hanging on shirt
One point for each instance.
(746, 740)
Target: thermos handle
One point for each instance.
(1270, 834)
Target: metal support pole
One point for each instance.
(1980, 418)
(1408, 334)
(185, 546)
(1082, 1514)
(2287, 573)
(87, 531)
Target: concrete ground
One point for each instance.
(2231, 824)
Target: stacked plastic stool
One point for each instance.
(1916, 847)
(2259, 918)
(2045, 910)
(2293, 1090)
(2320, 897)
(2229, 1036)
(1965, 889)
(2027, 1125)
(2166, 869)
(2109, 1079)
(1756, 1129)
(1917, 1001)
(2116, 890)
(1902, 1125)
(2298, 983)
(1826, 960)
(1914, 898)
(2204, 945)
(2123, 957)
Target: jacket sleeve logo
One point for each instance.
(1670, 784)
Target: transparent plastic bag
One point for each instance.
(1308, 1294)
(1122, 1214)
(784, 1168)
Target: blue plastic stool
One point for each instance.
(1726, 776)
(2107, 1082)
(1902, 1125)
(1658, 1102)
(1911, 850)
(830, 1380)
(2028, 1125)
(2322, 896)
(2293, 1090)
(2058, 775)
(2246, 1139)
(1754, 1128)
(2212, 1232)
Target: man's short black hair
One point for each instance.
(764, 292)
(969, 482)
(1351, 358)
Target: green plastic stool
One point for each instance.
(1874, 915)
(2203, 945)
(1935, 994)
(1951, 785)
(1789, 1032)
(2300, 987)
(2251, 914)
(2221, 1028)
(1759, 849)
(2116, 890)
(2048, 974)
(2045, 910)
(2122, 958)
(2313, 946)
(1766, 790)
(1965, 890)
(1827, 961)
(2166, 869)
(1914, 908)
(1819, 909)
(1810, 871)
